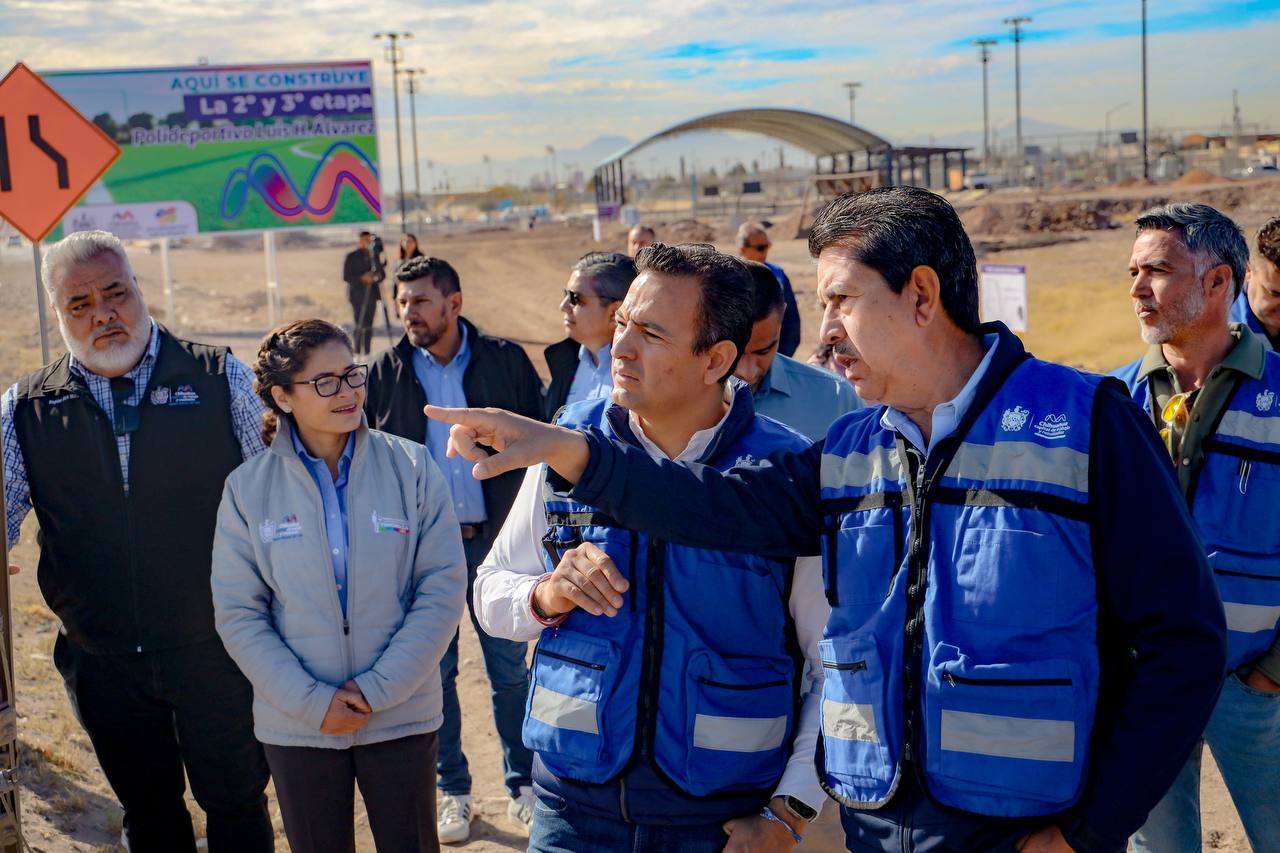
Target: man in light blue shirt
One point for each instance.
(333, 495)
(801, 396)
(581, 364)
(442, 380)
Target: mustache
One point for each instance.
(111, 328)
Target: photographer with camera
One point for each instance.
(364, 270)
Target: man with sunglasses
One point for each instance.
(754, 245)
(1210, 388)
(444, 357)
(580, 364)
(121, 447)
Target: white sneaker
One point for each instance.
(454, 823)
(520, 809)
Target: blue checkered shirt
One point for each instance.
(246, 419)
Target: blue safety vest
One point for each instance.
(1233, 499)
(962, 642)
(698, 675)
(1241, 312)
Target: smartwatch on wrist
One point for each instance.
(800, 810)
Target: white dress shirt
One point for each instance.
(505, 580)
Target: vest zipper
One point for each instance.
(953, 680)
(914, 627)
(652, 647)
(855, 666)
(599, 667)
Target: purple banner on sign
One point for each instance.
(283, 104)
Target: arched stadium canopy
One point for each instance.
(849, 150)
(821, 136)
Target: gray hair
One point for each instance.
(1209, 235)
(746, 229)
(609, 273)
(78, 248)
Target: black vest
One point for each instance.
(128, 572)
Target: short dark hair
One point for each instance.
(366, 233)
(766, 291)
(893, 230)
(1269, 241)
(609, 273)
(1204, 231)
(723, 313)
(440, 271)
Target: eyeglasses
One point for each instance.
(327, 386)
(126, 417)
(760, 247)
(1175, 415)
(573, 297)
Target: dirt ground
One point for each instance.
(1079, 314)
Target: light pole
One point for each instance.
(1017, 23)
(551, 152)
(488, 165)
(1146, 161)
(394, 54)
(412, 74)
(984, 46)
(853, 92)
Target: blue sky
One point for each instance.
(507, 77)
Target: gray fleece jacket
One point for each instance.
(276, 606)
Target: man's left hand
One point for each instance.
(1047, 840)
(756, 834)
(1259, 680)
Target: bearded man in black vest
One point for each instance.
(121, 447)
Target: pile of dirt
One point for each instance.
(1199, 176)
(1035, 217)
(686, 231)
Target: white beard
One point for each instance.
(116, 359)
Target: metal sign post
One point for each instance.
(10, 822)
(170, 319)
(44, 331)
(273, 278)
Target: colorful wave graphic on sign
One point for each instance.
(266, 176)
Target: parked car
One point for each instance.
(984, 181)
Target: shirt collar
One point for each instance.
(698, 442)
(343, 463)
(1248, 356)
(460, 357)
(776, 380)
(596, 359)
(148, 355)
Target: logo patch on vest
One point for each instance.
(1265, 400)
(745, 459)
(286, 528)
(1014, 419)
(1052, 427)
(183, 395)
(386, 524)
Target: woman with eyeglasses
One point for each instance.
(338, 582)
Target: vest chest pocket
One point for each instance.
(1008, 577)
(861, 552)
(1235, 500)
(566, 720)
(1010, 736)
(738, 719)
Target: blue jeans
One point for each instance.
(561, 827)
(1244, 736)
(504, 662)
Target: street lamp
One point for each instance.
(395, 55)
(412, 73)
(853, 91)
(1146, 162)
(1017, 23)
(984, 46)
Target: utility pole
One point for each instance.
(853, 92)
(984, 47)
(395, 54)
(1146, 159)
(412, 74)
(1017, 23)
(551, 151)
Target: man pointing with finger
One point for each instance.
(671, 703)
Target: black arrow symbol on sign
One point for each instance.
(33, 129)
(5, 183)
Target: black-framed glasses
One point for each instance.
(125, 416)
(327, 386)
(760, 247)
(574, 297)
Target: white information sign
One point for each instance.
(1003, 294)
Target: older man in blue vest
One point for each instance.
(1211, 389)
(1025, 639)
